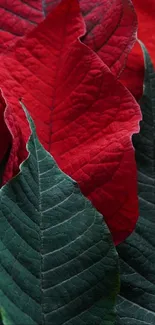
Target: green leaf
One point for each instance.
(1, 323)
(136, 303)
(4, 317)
(58, 264)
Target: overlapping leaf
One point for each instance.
(136, 304)
(29, 70)
(133, 74)
(17, 18)
(83, 115)
(58, 264)
(111, 25)
(110, 29)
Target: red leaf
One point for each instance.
(18, 18)
(84, 117)
(111, 29)
(4, 134)
(111, 25)
(146, 25)
(26, 69)
(133, 75)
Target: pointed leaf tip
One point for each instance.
(56, 252)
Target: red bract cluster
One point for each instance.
(66, 72)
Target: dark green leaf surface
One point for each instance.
(136, 303)
(58, 264)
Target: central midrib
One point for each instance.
(40, 231)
